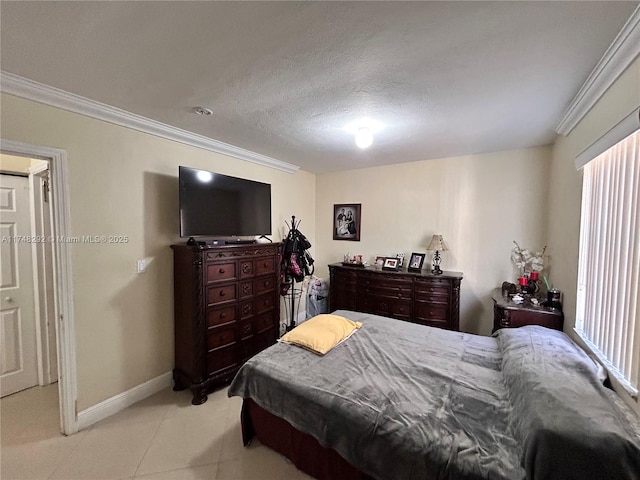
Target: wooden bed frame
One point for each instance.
(302, 449)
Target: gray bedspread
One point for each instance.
(403, 401)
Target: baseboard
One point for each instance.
(119, 402)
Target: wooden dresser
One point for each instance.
(418, 297)
(507, 313)
(227, 309)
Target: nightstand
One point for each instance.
(507, 313)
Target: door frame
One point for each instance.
(64, 321)
(43, 276)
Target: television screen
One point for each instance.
(218, 205)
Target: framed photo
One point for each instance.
(416, 262)
(346, 221)
(379, 261)
(390, 264)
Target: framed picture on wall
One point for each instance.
(346, 221)
(416, 262)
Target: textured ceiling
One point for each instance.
(291, 79)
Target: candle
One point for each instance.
(523, 281)
(533, 275)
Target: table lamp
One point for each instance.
(437, 245)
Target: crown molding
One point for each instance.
(38, 92)
(620, 54)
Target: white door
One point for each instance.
(18, 361)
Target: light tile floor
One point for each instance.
(161, 438)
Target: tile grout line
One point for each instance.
(224, 436)
(71, 451)
(155, 434)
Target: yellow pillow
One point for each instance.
(321, 333)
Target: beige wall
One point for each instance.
(565, 191)
(122, 182)
(479, 203)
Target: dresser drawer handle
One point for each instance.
(266, 264)
(267, 283)
(266, 302)
(221, 270)
(222, 293)
(223, 315)
(431, 289)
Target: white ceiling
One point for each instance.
(290, 79)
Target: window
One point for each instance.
(608, 302)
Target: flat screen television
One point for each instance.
(216, 205)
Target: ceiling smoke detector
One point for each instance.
(202, 111)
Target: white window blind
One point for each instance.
(608, 303)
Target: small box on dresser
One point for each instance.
(227, 309)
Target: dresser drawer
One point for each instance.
(220, 359)
(343, 300)
(221, 294)
(265, 265)
(216, 272)
(263, 322)
(265, 284)
(433, 286)
(434, 323)
(265, 303)
(426, 311)
(218, 316)
(386, 283)
(378, 291)
(385, 306)
(264, 340)
(432, 298)
(246, 350)
(344, 278)
(220, 336)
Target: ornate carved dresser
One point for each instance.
(418, 297)
(227, 309)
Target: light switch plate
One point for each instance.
(142, 266)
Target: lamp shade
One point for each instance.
(437, 243)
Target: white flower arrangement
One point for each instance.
(527, 261)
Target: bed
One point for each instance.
(398, 400)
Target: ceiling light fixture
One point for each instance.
(202, 111)
(364, 137)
